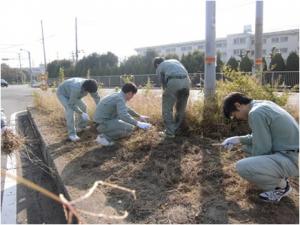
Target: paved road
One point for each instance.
(15, 98)
(32, 207)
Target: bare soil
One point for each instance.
(181, 180)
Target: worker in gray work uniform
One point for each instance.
(176, 88)
(273, 144)
(70, 93)
(116, 120)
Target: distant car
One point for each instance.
(4, 83)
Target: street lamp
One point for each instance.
(29, 58)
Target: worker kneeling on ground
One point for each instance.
(273, 144)
(70, 93)
(176, 89)
(114, 119)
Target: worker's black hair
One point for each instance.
(157, 61)
(229, 100)
(90, 85)
(129, 87)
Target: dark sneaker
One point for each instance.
(275, 195)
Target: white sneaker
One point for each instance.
(103, 141)
(74, 138)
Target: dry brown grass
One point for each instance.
(294, 111)
(148, 102)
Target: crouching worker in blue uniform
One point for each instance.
(273, 144)
(115, 119)
(70, 93)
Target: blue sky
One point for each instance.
(120, 26)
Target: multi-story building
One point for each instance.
(235, 45)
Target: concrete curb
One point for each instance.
(48, 159)
(9, 209)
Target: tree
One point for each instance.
(220, 63)
(277, 62)
(138, 64)
(194, 62)
(265, 66)
(246, 64)
(233, 64)
(105, 64)
(54, 67)
(12, 75)
(172, 56)
(292, 62)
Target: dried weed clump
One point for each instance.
(10, 142)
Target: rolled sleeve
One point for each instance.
(74, 97)
(261, 135)
(123, 113)
(132, 112)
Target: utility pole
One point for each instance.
(45, 62)
(20, 65)
(258, 39)
(19, 54)
(210, 50)
(76, 47)
(29, 60)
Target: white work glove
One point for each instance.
(85, 116)
(230, 142)
(144, 126)
(144, 118)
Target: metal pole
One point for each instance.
(76, 47)
(20, 65)
(20, 61)
(258, 39)
(44, 50)
(210, 50)
(29, 57)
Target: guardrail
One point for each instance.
(286, 79)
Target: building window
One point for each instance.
(264, 51)
(237, 51)
(283, 50)
(186, 48)
(170, 50)
(200, 46)
(284, 39)
(237, 41)
(275, 40)
(265, 41)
